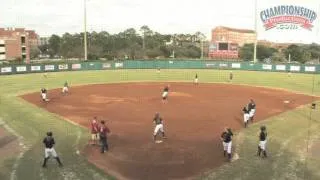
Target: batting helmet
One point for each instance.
(49, 133)
(263, 128)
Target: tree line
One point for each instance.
(297, 53)
(129, 44)
(148, 44)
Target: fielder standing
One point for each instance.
(65, 89)
(246, 116)
(262, 142)
(165, 93)
(159, 126)
(49, 150)
(252, 109)
(226, 138)
(196, 80)
(230, 76)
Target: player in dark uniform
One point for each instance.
(103, 132)
(252, 109)
(196, 79)
(246, 116)
(230, 76)
(262, 141)
(159, 126)
(165, 93)
(226, 138)
(49, 150)
(44, 95)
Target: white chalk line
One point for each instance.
(23, 148)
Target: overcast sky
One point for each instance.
(166, 16)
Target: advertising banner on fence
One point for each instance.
(223, 65)
(35, 68)
(63, 66)
(49, 67)
(106, 65)
(210, 65)
(280, 67)
(118, 65)
(76, 66)
(310, 68)
(236, 65)
(267, 66)
(21, 68)
(6, 69)
(288, 21)
(294, 68)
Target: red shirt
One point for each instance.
(94, 127)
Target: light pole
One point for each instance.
(85, 30)
(256, 32)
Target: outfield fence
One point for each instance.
(157, 64)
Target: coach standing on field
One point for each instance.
(103, 132)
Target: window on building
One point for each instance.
(23, 40)
(2, 53)
(2, 45)
(24, 57)
(23, 49)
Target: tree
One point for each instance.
(34, 52)
(54, 44)
(246, 52)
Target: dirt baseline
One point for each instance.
(193, 120)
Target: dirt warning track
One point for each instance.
(193, 120)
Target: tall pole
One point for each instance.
(201, 49)
(256, 32)
(85, 31)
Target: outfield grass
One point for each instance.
(288, 132)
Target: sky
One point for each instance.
(48, 17)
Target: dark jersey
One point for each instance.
(104, 130)
(157, 120)
(43, 90)
(196, 76)
(245, 110)
(166, 89)
(263, 136)
(251, 106)
(65, 84)
(48, 142)
(226, 136)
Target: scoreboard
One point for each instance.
(224, 50)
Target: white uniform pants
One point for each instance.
(50, 152)
(246, 117)
(262, 145)
(252, 112)
(227, 146)
(159, 127)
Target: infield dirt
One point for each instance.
(194, 118)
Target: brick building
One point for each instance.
(16, 43)
(225, 41)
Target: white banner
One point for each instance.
(223, 65)
(294, 68)
(35, 68)
(63, 66)
(267, 66)
(236, 65)
(49, 67)
(310, 68)
(76, 66)
(280, 67)
(118, 65)
(21, 68)
(106, 65)
(6, 69)
(288, 20)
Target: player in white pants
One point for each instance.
(165, 93)
(159, 126)
(246, 116)
(226, 138)
(44, 95)
(65, 89)
(196, 80)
